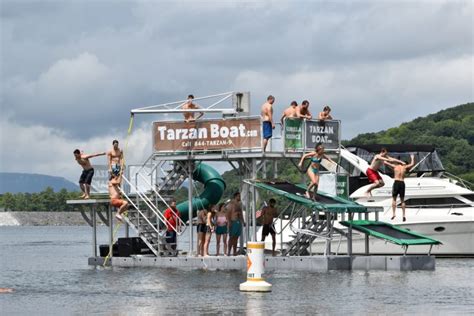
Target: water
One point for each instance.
(47, 267)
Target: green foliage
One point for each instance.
(47, 200)
(451, 131)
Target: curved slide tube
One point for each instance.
(214, 187)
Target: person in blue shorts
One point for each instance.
(267, 118)
(235, 221)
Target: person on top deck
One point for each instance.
(87, 173)
(190, 105)
(325, 114)
(116, 196)
(290, 112)
(316, 157)
(235, 222)
(398, 188)
(210, 227)
(115, 158)
(302, 111)
(268, 214)
(267, 119)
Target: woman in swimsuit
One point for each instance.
(313, 171)
(210, 226)
(221, 228)
(201, 231)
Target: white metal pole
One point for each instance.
(190, 206)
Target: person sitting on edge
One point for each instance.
(235, 220)
(302, 111)
(313, 171)
(116, 197)
(325, 114)
(87, 173)
(372, 172)
(267, 118)
(173, 225)
(290, 111)
(115, 156)
(398, 188)
(190, 105)
(268, 215)
(221, 229)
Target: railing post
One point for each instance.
(190, 206)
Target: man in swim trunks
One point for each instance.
(115, 156)
(116, 197)
(87, 173)
(235, 220)
(302, 111)
(372, 172)
(190, 105)
(268, 215)
(172, 223)
(398, 187)
(267, 118)
(290, 111)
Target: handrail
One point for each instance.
(462, 181)
(181, 222)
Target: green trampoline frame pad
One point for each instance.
(417, 239)
(343, 206)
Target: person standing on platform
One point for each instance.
(268, 214)
(235, 221)
(221, 229)
(190, 105)
(290, 112)
(325, 114)
(172, 217)
(372, 172)
(267, 119)
(115, 157)
(210, 227)
(313, 171)
(398, 188)
(116, 197)
(87, 173)
(201, 231)
(302, 111)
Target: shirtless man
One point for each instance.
(116, 197)
(290, 112)
(325, 114)
(267, 118)
(87, 173)
(398, 188)
(235, 220)
(372, 171)
(190, 105)
(302, 111)
(115, 156)
(268, 215)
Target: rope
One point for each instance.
(114, 235)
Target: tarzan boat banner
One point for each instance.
(300, 133)
(213, 135)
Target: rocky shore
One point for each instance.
(41, 219)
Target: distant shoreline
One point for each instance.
(42, 219)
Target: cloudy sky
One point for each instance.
(72, 70)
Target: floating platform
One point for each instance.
(278, 264)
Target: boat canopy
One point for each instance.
(426, 157)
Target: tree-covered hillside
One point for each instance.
(451, 131)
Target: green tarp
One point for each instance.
(390, 233)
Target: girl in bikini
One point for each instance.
(221, 228)
(316, 157)
(210, 227)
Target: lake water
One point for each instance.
(47, 267)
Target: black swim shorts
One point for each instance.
(268, 229)
(86, 176)
(398, 189)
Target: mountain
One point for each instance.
(32, 183)
(451, 131)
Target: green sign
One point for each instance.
(293, 134)
(342, 189)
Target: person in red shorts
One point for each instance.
(172, 223)
(372, 172)
(116, 197)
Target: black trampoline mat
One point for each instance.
(293, 189)
(389, 231)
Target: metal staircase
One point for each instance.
(315, 226)
(148, 203)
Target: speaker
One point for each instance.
(241, 103)
(104, 250)
(132, 246)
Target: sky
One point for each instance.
(72, 70)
